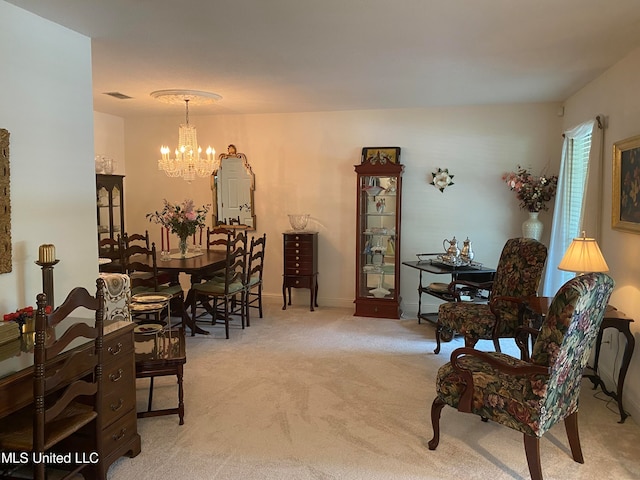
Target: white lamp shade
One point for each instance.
(583, 255)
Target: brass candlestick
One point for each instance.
(47, 279)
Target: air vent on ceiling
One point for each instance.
(118, 95)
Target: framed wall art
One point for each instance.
(380, 155)
(5, 204)
(625, 214)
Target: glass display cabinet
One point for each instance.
(378, 238)
(110, 206)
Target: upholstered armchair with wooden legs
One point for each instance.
(517, 276)
(531, 396)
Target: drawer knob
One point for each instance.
(297, 271)
(117, 406)
(297, 264)
(297, 282)
(116, 350)
(297, 251)
(297, 258)
(114, 377)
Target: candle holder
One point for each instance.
(47, 279)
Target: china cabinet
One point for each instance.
(110, 205)
(378, 239)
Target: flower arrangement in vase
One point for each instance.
(533, 192)
(183, 219)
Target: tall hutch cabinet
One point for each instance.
(379, 193)
(110, 205)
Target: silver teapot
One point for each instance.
(452, 252)
(466, 254)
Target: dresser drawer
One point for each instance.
(117, 346)
(299, 237)
(299, 282)
(299, 267)
(120, 432)
(119, 389)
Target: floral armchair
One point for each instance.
(518, 275)
(531, 396)
(117, 296)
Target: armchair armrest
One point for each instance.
(467, 396)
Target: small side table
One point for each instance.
(613, 318)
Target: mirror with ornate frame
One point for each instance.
(232, 185)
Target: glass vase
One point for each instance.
(184, 246)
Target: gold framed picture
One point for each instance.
(380, 155)
(625, 212)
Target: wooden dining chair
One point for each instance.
(224, 289)
(141, 265)
(253, 296)
(58, 413)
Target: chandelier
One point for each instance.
(188, 161)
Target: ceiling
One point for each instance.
(276, 56)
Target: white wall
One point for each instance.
(615, 95)
(109, 139)
(304, 163)
(45, 93)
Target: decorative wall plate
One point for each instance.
(442, 179)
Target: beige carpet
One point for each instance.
(326, 395)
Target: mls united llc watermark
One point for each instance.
(49, 458)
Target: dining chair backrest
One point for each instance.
(117, 297)
(217, 237)
(141, 265)
(110, 248)
(256, 259)
(236, 259)
(138, 238)
(50, 375)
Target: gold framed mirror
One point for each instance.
(233, 184)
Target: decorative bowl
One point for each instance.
(373, 190)
(299, 221)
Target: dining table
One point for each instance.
(197, 265)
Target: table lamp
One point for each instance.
(583, 255)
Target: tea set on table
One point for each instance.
(454, 256)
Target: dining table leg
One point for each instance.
(193, 326)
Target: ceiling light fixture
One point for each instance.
(187, 162)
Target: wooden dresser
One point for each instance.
(300, 265)
(119, 418)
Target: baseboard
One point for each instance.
(300, 297)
